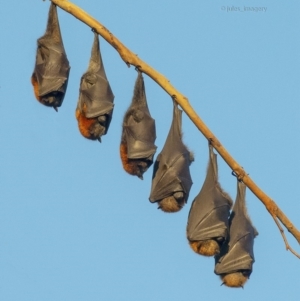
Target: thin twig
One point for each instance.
(287, 246)
(131, 59)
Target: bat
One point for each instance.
(137, 146)
(171, 180)
(207, 226)
(51, 71)
(234, 263)
(95, 104)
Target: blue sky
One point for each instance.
(73, 224)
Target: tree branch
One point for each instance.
(131, 59)
(287, 246)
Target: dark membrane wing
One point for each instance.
(95, 104)
(239, 257)
(138, 126)
(207, 225)
(236, 258)
(51, 72)
(171, 174)
(138, 133)
(95, 90)
(140, 138)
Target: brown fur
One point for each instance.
(35, 85)
(129, 165)
(234, 279)
(86, 125)
(170, 204)
(206, 248)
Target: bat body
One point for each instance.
(137, 146)
(171, 180)
(95, 104)
(234, 264)
(207, 226)
(51, 71)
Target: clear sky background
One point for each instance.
(73, 225)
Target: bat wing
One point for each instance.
(171, 172)
(140, 137)
(170, 176)
(238, 254)
(52, 66)
(139, 127)
(96, 95)
(208, 217)
(239, 257)
(95, 104)
(137, 146)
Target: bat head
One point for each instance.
(172, 203)
(91, 128)
(135, 167)
(209, 247)
(237, 279)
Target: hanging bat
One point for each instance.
(137, 146)
(207, 226)
(51, 71)
(234, 264)
(171, 180)
(95, 104)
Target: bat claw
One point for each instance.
(141, 177)
(138, 68)
(99, 139)
(55, 108)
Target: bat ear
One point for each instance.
(234, 264)
(207, 226)
(137, 146)
(51, 71)
(171, 180)
(95, 104)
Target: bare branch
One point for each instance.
(131, 59)
(287, 246)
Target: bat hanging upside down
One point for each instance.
(234, 263)
(137, 146)
(171, 180)
(207, 227)
(95, 104)
(51, 71)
